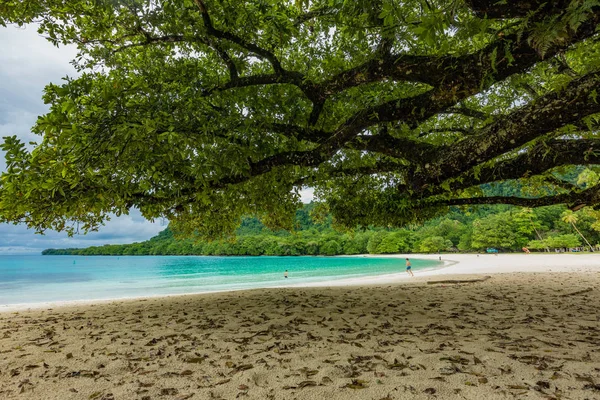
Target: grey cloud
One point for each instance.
(18, 123)
(28, 62)
(124, 229)
(29, 58)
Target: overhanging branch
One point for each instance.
(545, 115)
(402, 148)
(531, 162)
(219, 34)
(468, 112)
(514, 9)
(574, 200)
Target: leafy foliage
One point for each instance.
(204, 111)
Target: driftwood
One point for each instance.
(485, 278)
(575, 293)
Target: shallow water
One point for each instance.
(39, 279)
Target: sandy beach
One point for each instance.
(529, 331)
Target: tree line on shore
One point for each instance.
(502, 227)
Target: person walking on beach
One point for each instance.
(409, 267)
(285, 274)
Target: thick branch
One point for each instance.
(411, 111)
(233, 73)
(574, 200)
(543, 116)
(535, 161)
(495, 139)
(463, 79)
(316, 112)
(246, 81)
(379, 167)
(453, 77)
(467, 112)
(395, 147)
(514, 9)
(166, 39)
(301, 133)
(425, 69)
(459, 75)
(319, 12)
(219, 34)
(556, 181)
(464, 131)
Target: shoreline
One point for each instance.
(525, 335)
(454, 265)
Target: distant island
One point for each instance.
(505, 228)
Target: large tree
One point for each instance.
(202, 110)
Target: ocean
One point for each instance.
(42, 279)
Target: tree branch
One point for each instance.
(521, 127)
(465, 131)
(319, 12)
(300, 133)
(233, 72)
(556, 181)
(467, 112)
(464, 77)
(219, 34)
(516, 9)
(456, 76)
(545, 115)
(534, 161)
(574, 200)
(460, 76)
(166, 39)
(248, 81)
(404, 148)
(453, 77)
(379, 167)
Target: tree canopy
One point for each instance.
(203, 111)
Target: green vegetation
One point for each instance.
(507, 228)
(206, 111)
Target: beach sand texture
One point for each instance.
(526, 335)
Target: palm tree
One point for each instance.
(570, 218)
(529, 212)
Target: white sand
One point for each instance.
(531, 331)
(472, 264)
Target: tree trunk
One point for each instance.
(538, 234)
(588, 243)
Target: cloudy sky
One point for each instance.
(27, 63)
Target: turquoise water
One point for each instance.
(37, 279)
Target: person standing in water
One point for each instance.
(409, 267)
(285, 274)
